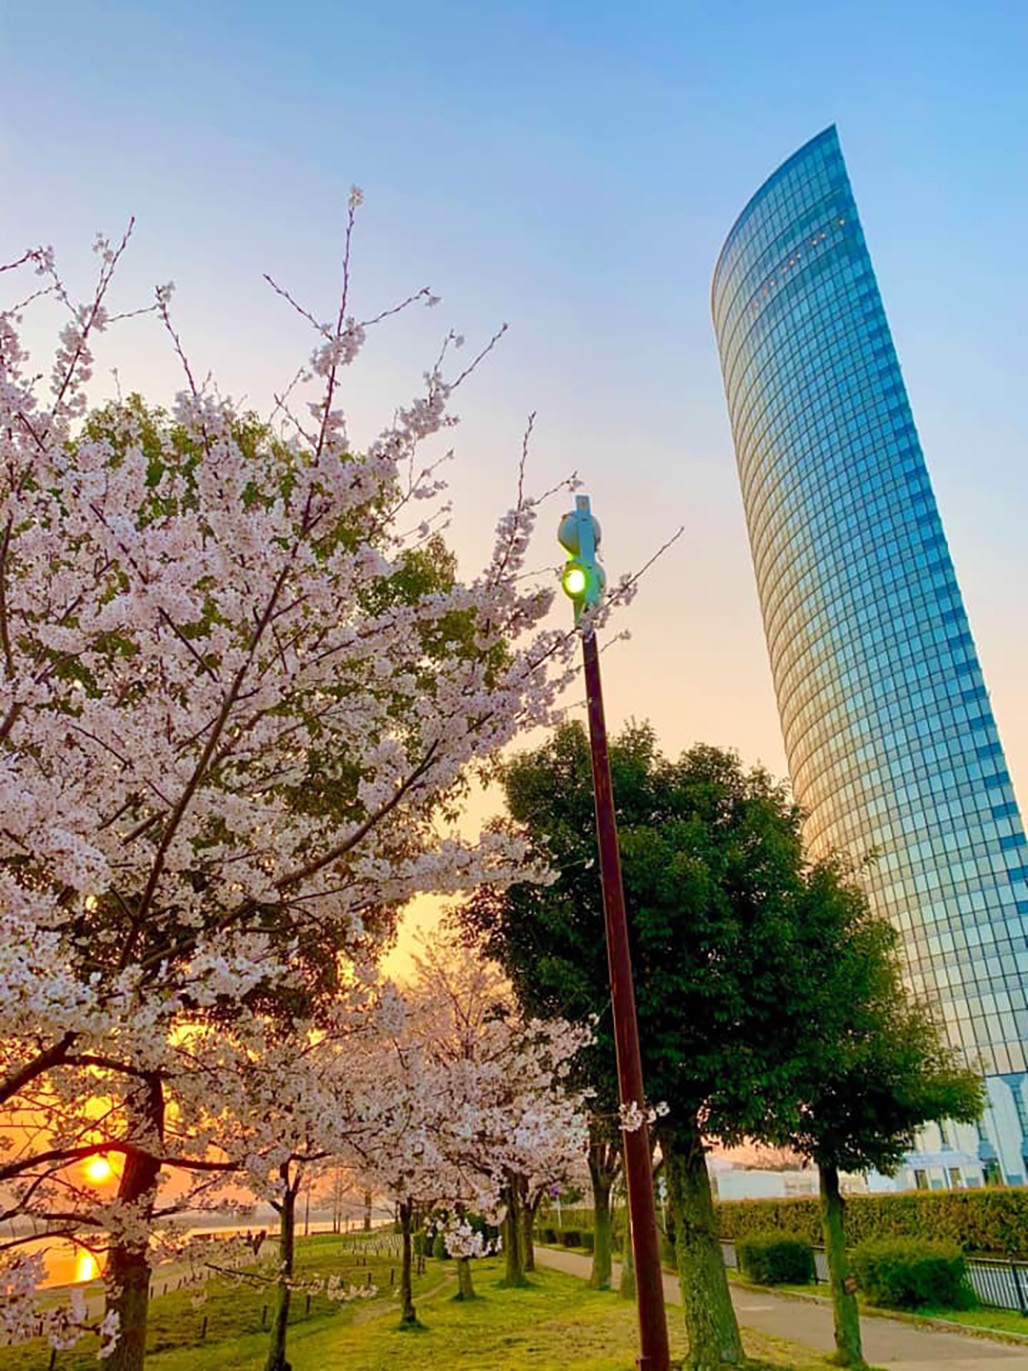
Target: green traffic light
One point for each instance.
(574, 580)
(582, 579)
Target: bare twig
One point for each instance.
(424, 293)
(321, 328)
(626, 585)
(479, 358)
(107, 271)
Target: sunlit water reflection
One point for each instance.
(67, 1264)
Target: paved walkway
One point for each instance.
(887, 1342)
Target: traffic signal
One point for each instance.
(583, 578)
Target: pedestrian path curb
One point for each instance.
(895, 1344)
(969, 1330)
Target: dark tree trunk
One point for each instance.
(599, 1277)
(626, 1286)
(528, 1213)
(367, 1211)
(128, 1266)
(844, 1302)
(714, 1340)
(417, 1224)
(465, 1285)
(408, 1314)
(603, 1159)
(513, 1230)
(283, 1291)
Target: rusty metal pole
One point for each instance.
(655, 1353)
(583, 580)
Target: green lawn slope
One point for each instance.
(556, 1324)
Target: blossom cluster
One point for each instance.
(23, 1315)
(632, 1117)
(465, 1242)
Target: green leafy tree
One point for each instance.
(726, 942)
(878, 1068)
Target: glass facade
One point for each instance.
(889, 732)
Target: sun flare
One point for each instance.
(87, 1268)
(98, 1170)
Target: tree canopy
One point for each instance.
(724, 935)
(879, 1065)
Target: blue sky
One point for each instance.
(572, 169)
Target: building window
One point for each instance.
(921, 1180)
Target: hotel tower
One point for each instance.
(889, 733)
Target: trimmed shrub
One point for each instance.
(571, 1237)
(547, 1235)
(900, 1274)
(588, 1241)
(439, 1247)
(990, 1222)
(776, 1259)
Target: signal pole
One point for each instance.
(583, 581)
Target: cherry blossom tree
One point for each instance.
(404, 1158)
(466, 1240)
(504, 1116)
(549, 1161)
(233, 724)
(449, 1126)
(291, 1101)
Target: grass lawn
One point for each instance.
(986, 1318)
(556, 1324)
(235, 1312)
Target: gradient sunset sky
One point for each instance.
(571, 168)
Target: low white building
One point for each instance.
(941, 1161)
(741, 1183)
(946, 1156)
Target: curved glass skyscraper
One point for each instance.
(889, 733)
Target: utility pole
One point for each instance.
(583, 580)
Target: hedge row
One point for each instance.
(899, 1274)
(776, 1259)
(988, 1223)
(586, 1238)
(567, 1237)
(896, 1273)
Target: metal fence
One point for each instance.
(1003, 1284)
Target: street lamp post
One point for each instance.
(583, 580)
